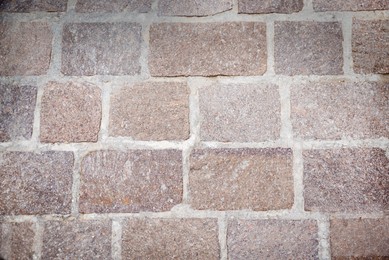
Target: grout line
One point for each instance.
(270, 48)
(185, 177)
(347, 45)
(308, 6)
(298, 169)
(71, 5)
(222, 224)
(56, 50)
(37, 115)
(116, 240)
(38, 240)
(76, 183)
(324, 239)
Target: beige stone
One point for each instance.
(350, 5)
(269, 6)
(20, 6)
(89, 6)
(193, 8)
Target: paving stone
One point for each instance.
(20, 6)
(234, 179)
(89, 6)
(193, 8)
(269, 6)
(16, 240)
(350, 5)
(207, 49)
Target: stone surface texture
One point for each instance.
(350, 5)
(133, 181)
(16, 240)
(308, 47)
(346, 180)
(170, 239)
(20, 6)
(71, 112)
(35, 183)
(207, 49)
(269, 6)
(233, 179)
(151, 111)
(193, 8)
(89, 6)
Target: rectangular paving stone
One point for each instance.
(370, 46)
(338, 110)
(151, 111)
(77, 239)
(16, 240)
(21, 6)
(346, 180)
(101, 49)
(89, 6)
(207, 49)
(25, 48)
(234, 179)
(70, 112)
(240, 113)
(132, 181)
(350, 5)
(269, 6)
(308, 48)
(170, 238)
(17, 106)
(193, 8)
(36, 183)
(272, 239)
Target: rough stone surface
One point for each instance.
(207, 49)
(360, 238)
(89, 6)
(77, 239)
(25, 48)
(272, 239)
(370, 46)
(340, 110)
(350, 5)
(240, 113)
(151, 111)
(170, 239)
(17, 105)
(16, 240)
(233, 179)
(346, 180)
(133, 181)
(193, 8)
(269, 6)
(35, 183)
(304, 48)
(71, 112)
(101, 49)
(21, 6)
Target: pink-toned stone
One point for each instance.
(308, 47)
(346, 180)
(233, 179)
(20, 6)
(25, 48)
(35, 183)
(240, 113)
(207, 49)
(89, 6)
(151, 111)
(133, 181)
(16, 240)
(193, 8)
(71, 112)
(269, 6)
(170, 238)
(272, 239)
(350, 5)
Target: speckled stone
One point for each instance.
(233, 179)
(25, 48)
(304, 48)
(336, 110)
(240, 113)
(360, 238)
(370, 46)
(101, 49)
(35, 183)
(193, 8)
(207, 49)
(346, 180)
(151, 111)
(133, 181)
(170, 239)
(17, 105)
(20, 6)
(272, 239)
(269, 6)
(16, 240)
(77, 239)
(350, 5)
(89, 6)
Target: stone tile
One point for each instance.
(25, 48)
(233, 179)
(17, 105)
(193, 8)
(305, 48)
(338, 110)
(151, 111)
(346, 180)
(272, 239)
(35, 183)
(20, 6)
(16, 240)
(370, 46)
(350, 5)
(89, 6)
(77, 239)
(207, 49)
(170, 238)
(360, 238)
(269, 6)
(71, 112)
(101, 49)
(240, 113)
(133, 181)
